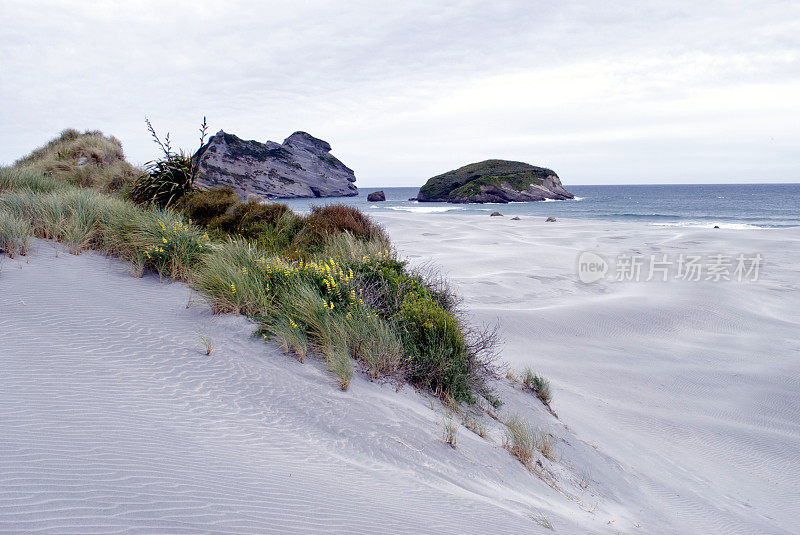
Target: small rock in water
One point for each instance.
(495, 214)
(550, 220)
(716, 226)
(515, 218)
(376, 196)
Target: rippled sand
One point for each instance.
(113, 419)
(693, 387)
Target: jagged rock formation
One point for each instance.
(300, 167)
(376, 196)
(498, 181)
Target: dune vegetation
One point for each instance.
(327, 284)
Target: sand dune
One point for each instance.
(693, 387)
(113, 419)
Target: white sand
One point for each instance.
(113, 419)
(693, 387)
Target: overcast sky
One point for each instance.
(602, 92)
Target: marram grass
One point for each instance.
(327, 285)
(15, 234)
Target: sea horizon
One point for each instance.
(736, 206)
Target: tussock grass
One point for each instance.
(15, 179)
(543, 521)
(15, 234)
(450, 432)
(474, 425)
(204, 206)
(82, 218)
(234, 279)
(87, 159)
(523, 440)
(538, 385)
(519, 440)
(333, 219)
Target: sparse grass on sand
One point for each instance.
(450, 432)
(522, 440)
(538, 385)
(208, 343)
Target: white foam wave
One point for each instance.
(698, 224)
(563, 200)
(424, 209)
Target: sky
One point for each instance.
(613, 92)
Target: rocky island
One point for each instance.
(498, 181)
(300, 167)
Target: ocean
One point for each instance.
(696, 205)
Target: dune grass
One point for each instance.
(523, 441)
(17, 179)
(87, 159)
(161, 241)
(326, 284)
(450, 432)
(538, 385)
(15, 234)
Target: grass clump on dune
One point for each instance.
(538, 385)
(523, 441)
(87, 159)
(16, 179)
(161, 241)
(326, 284)
(15, 234)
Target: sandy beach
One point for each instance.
(694, 387)
(678, 401)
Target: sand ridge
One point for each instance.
(113, 419)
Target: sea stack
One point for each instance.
(496, 181)
(301, 166)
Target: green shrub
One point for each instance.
(166, 181)
(15, 234)
(250, 218)
(332, 219)
(168, 178)
(203, 206)
(439, 355)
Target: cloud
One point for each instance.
(663, 92)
